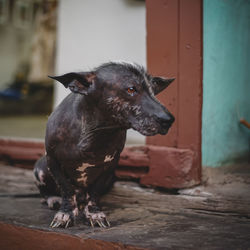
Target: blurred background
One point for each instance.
(27, 55)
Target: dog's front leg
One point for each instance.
(66, 215)
(92, 210)
(69, 208)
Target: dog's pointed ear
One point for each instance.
(160, 83)
(76, 82)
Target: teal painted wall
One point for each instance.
(226, 81)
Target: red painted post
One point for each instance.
(174, 48)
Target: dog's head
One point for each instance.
(126, 93)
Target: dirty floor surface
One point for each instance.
(212, 216)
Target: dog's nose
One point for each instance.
(166, 120)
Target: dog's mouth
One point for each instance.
(152, 130)
(164, 131)
(150, 126)
(164, 128)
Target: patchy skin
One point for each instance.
(75, 212)
(41, 177)
(86, 133)
(82, 169)
(44, 180)
(54, 202)
(108, 158)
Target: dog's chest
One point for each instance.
(100, 156)
(88, 172)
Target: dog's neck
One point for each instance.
(96, 126)
(94, 117)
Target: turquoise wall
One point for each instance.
(226, 81)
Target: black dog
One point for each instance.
(86, 134)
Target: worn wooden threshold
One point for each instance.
(199, 218)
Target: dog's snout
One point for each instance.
(166, 120)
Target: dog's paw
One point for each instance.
(62, 219)
(54, 202)
(96, 217)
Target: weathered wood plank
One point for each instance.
(139, 217)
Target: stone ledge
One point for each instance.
(152, 165)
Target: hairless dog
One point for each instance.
(86, 133)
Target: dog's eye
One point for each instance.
(131, 90)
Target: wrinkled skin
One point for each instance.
(86, 134)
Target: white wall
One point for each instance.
(91, 32)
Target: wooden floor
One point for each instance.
(213, 216)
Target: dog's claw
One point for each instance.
(67, 224)
(107, 222)
(91, 222)
(52, 222)
(61, 219)
(96, 218)
(56, 224)
(103, 223)
(99, 223)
